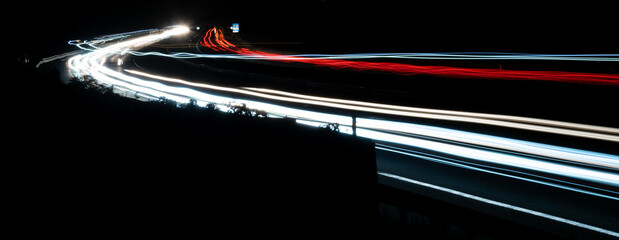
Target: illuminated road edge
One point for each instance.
(500, 204)
(572, 169)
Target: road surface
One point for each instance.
(418, 148)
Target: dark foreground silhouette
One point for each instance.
(84, 162)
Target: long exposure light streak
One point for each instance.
(567, 154)
(555, 127)
(573, 155)
(586, 127)
(495, 170)
(602, 177)
(424, 56)
(214, 39)
(535, 158)
(501, 204)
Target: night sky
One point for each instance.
(402, 26)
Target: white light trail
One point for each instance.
(573, 155)
(501, 204)
(533, 124)
(519, 119)
(572, 163)
(602, 177)
(502, 171)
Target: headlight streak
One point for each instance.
(573, 162)
(536, 121)
(545, 150)
(573, 155)
(501, 204)
(501, 171)
(602, 177)
(409, 69)
(555, 127)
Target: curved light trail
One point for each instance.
(579, 170)
(214, 39)
(425, 56)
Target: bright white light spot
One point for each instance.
(178, 30)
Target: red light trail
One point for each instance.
(214, 39)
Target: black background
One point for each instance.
(403, 26)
